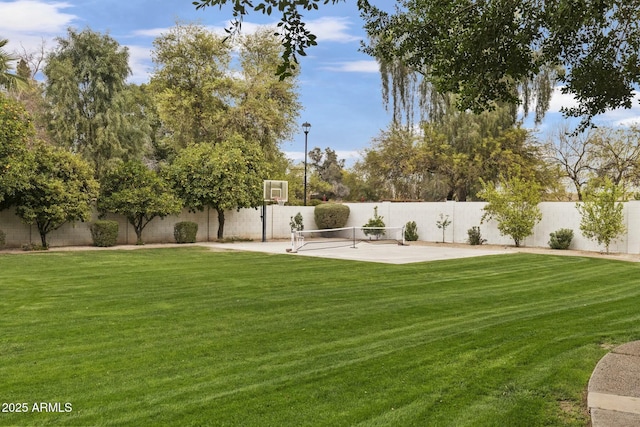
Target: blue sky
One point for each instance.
(339, 86)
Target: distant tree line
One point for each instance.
(205, 132)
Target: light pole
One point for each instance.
(305, 126)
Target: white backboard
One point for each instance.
(276, 191)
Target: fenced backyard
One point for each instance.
(247, 224)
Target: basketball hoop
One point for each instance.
(276, 192)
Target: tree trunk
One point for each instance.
(220, 223)
(43, 239)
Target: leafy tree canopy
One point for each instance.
(224, 176)
(203, 96)
(16, 133)
(60, 189)
(602, 215)
(90, 109)
(513, 203)
(482, 50)
(139, 194)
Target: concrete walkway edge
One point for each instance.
(614, 388)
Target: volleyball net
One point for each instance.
(345, 236)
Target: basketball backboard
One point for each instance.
(276, 191)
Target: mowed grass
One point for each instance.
(187, 336)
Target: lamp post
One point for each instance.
(305, 127)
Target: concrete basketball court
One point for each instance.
(383, 253)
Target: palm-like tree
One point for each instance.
(8, 80)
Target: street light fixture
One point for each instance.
(305, 127)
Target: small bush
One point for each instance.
(3, 239)
(185, 232)
(475, 237)
(28, 247)
(561, 239)
(104, 233)
(376, 221)
(296, 223)
(331, 215)
(411, 231)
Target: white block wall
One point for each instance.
(247, 223)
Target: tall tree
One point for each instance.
(86, 77)
(451, 155)
(31, 93)
(329, 170)
(204, 96)
(390, 165)
(60, 189)
(139, 194)
(223, 176)
(191, 83)
(265, 109)
(483, 50)
(572, 152)
(616, 155)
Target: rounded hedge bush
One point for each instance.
(104, 233)
(185, 232)
(331, 215)
(561, 239)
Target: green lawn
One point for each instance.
(192, 337)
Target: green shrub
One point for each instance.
(104, 233)
(561, 239)
(475, 237)
(185, 232)
(376, 221)
(331, 215)
(29, 247)
(411, 231)
(3, 239)
(296, 223)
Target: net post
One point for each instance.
(293, 249)
(353, 236)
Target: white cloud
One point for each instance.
(29, 16)
(366, 66)
(560, 100)
(33, 23)
(150, 32)
(332, 29)
(140, 63)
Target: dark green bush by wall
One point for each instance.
(185, 232)
(561, 239)
(331, 215)
(104, 233)
(411, 231)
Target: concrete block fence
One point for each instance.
(247, 223)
